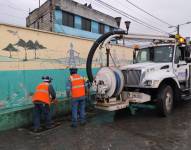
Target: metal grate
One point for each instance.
(132, 77)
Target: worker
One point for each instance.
(42, 98)
(76, 90)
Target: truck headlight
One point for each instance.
(151, 83)
(148, 83)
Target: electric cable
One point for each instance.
(148, 13)
(132, 17)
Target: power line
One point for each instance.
(145, 19)
(131, 17)
(148, 13)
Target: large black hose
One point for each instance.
(93, 49)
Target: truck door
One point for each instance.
(180, 65)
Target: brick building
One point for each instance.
(72, 18)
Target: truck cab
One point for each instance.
(160, 74)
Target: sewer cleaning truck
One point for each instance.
(159, 75)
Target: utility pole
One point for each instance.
(178, 26)
(178, 29)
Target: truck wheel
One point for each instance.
(165, 100)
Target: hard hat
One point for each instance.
(73, 70)
(47, 78)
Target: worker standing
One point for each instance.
(42, 98)
(76, 90)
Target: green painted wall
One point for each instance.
(18, 86)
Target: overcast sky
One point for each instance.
(172, 11)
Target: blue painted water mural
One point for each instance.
(18, 86)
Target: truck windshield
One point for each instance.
(155, 54)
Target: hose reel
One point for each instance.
(108, 82)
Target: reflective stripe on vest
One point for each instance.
(42, 94)
(78, 87)
(44, 91)
(75, 79)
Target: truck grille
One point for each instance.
(132, 77)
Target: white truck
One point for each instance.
(160, 74)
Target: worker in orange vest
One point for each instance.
(76, 90)
(42, 98)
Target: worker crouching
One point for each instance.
(76, 90)
(42, 98)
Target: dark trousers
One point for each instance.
(75, 105)
(41, 110)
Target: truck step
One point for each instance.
(186, 97)
(186, 90)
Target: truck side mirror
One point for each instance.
(188, 59)
(134, 55)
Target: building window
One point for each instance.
(95, 27)
(38, 25)
(106, 28)
(111, 29)
(68, 19)
(86, 24)
(78, 22)
(42, 19)
(101, 28)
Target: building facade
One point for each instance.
(72, 18)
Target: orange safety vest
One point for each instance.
(42, 94)
(78, 86)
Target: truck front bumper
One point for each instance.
(137, 97)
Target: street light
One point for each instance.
(178, 26)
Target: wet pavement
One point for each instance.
(110, 131)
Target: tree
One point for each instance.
(23, 44)
(38, 46)
(10, 48)
(30, 45)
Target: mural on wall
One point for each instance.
(26, 55)
(10, 48)
(30, 45)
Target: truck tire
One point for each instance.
(165, 100)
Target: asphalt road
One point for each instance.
(110, 131)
